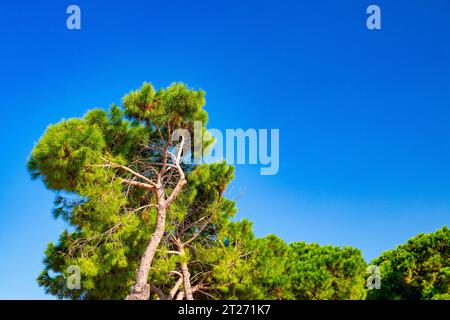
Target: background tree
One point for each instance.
(418, 269)
(303, 271)
(326, 272)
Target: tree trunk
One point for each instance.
(141, 289)
(186, 278)
(187, 282)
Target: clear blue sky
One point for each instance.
(363, 115)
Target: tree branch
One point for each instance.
(203, 227)
(139, 184)
(136, 174)
(175, 288)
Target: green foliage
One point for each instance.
(326, 272)
(64, 151)
(304, 271)
(230, 262)
(271, 268)
(418, 269)
(175, 107)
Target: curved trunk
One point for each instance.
(141, 289)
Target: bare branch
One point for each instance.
(203, 227)
(173, 252)
(175, 288)
(176, 273)
(139, 184)
(181, 182)
(146, 206)
(136, 174)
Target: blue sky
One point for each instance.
(363, 115)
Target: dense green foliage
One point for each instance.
(104, 233)
(305, 271)
(418, 269)
(111, 222)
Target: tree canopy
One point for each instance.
(418, 269)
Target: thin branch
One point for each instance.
(136, 174)
(176, 273)
(146, 206)
(181, 182)
(203, 227)
(174, 252)
(139, 184)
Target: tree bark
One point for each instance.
(175, 288)
(180, 295)
(141, 289)
(186, 277)
(187, 282)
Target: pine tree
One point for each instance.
(303, 271)
(119, 180)
(416, 270)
